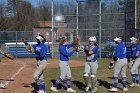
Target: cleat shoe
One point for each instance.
(96, 88)
(125, 89)
(137, 85)
(132, 85)
(93, 91)
(113, 89)
(2, 85)
(86, 89)
(54, 89)
(71, 90)
(41, 91)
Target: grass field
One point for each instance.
(104, 75)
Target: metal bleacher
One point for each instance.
(18, 49)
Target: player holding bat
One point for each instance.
(40, 49)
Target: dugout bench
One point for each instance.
(19, 50)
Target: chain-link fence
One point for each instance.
(104, 19)
(11, 41)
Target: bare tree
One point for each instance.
(138, 13)
(27, 14)
(3, 19)
(21, 14)
(43, 12)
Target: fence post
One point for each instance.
(52, 27)
(16, 43)
(100, 27)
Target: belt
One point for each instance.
(91, 61)
(121, 58)
(41, 59)
(88, 60)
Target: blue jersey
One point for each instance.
(64, 53)
(41, 51)
(121, 51)
(138, 49)
(94, 56)
(95, 51)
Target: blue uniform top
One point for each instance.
(121, 51)
(40, 51)
(64, 53)
(138, 49)
(95, 51)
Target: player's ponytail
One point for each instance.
(121, 38)
(137, 39)
(62, 40)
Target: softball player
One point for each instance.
(121, 64)
(136, 57)
(40, 50)
(64, 65)
(44, 39)
(91, 64)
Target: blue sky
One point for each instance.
(34, 2)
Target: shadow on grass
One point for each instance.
(104, 83)
(79, 85)
(60, 86)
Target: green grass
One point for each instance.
(104, 75)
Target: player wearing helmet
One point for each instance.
(91, 64)
(40, 49)
(44, 39)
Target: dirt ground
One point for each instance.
(17, 74)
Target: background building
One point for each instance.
(44, 27)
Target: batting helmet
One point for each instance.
(92, 39)
(40, 38)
